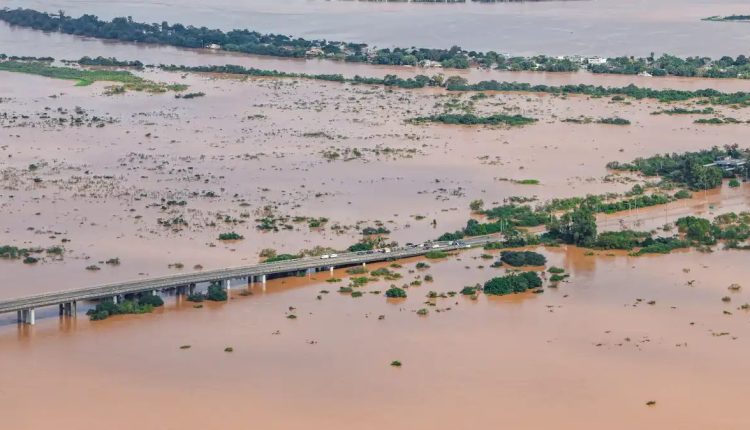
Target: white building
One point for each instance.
(596, 60)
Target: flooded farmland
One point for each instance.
(111, 186)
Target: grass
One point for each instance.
(528, 182)
(436, 254)
(84, 77)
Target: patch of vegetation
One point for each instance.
(231, 236)
(684, 111)
(717, 121)
(688, 168)
(13, 252)
(435, 254)
(472, 119)
(523, 258)
(106, 308)
(282, 257)
(395, 292)
(83, 77)
(512, 283)
(613, 121)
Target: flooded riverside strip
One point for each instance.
(532, 259)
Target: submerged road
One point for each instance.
(66, 299)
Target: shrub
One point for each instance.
(216, 293)
(230, 236)
(613, 121)
(434, 254)
(196, 297)
(523, 258)
(555, 269)
(626, 239)
(150, 300)
(468, 291)
(697, 229)
(512, 283)
(476, 205)
(282, 257)
(395, 292)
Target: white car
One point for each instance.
(435, 246)
(387, 250)
(334, 255)
(324, 256)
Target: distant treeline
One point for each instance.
(669, 65)
(453, 83)
(729, 18)
(451, 1)
(252, 42)
(456, 83)
(472, 119)
(712, 96)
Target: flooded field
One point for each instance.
(152, 180)
(600, 27)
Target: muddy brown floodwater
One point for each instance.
(588, 354)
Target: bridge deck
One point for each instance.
(173, 281)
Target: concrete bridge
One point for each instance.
(67, 300)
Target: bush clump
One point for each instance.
(396, 293)
(231, 236)
(434, 254)
(142, 305)
(512, 283)
(523, 258)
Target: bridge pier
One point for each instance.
(27, 316)
(114, 299)
(68, 309)
(331, 270)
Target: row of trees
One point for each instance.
(724, 67)
(253, 42)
